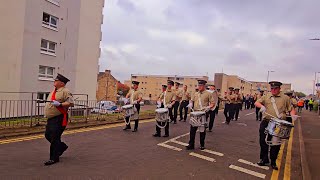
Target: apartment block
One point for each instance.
(40, 38)
(151, 85)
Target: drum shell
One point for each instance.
(197, 119)
(278, 129)
(162, 116)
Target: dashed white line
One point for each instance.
(247, 171)
(212, 152)
(252, 164)
(202, 157)
(250, 113)
(179, 142)
(169, 147)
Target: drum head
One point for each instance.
(162, 110)
(127, 106)
(198, 113)
(282, 122)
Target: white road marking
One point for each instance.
(179, 142)
(169, 147)
(202, 157)
(242, 124)
(253, 164)
(175, 138)
(250, 113)
(247, 171)
(212, 152)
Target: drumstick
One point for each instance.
(270, 115)
(41, 100)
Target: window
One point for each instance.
(49, 20)
(48, 47)
(46, 72)
(55, 2)
(42, 95)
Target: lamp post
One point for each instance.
(268, 76)
(315, 81)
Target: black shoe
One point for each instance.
(156, 135)
(166, 135)
(227, 122)
(50, 162)
(126, 128)
(189, 147)
(135, 130)
(202, 147)
(63, 150)
(262, 163)
(274, 166)
(210, 130)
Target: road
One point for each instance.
(108, 152)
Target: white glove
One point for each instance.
(190, 105)
(135, 102)
(56, 103)
(159, 105)
(206, 109)
(125, 101)
(263, 109)
(169, 106)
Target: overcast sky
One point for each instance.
(201, 37)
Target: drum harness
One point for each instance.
(164, 104)
(201, 107)
(134, 107)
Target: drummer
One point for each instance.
(274, 104)
(135, 98)
(201, 101)
(167, 100)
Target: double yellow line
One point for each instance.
(28, 138)
(287, 166)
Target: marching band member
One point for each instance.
(184, 103)
(178, 94)
(238, 102)
(167, 98)
(135, 98)
(274, 104)
(57, 113)
(212, 112)
(201, 101)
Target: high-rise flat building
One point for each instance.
(40, 38)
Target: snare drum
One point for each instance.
(198, 118)
(128, 110)
(279, 128)
(162, 115)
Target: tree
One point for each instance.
(122, 89)
(300, 94)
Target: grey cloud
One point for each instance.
(269, 35)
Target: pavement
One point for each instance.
(310, 132)
(108, 152)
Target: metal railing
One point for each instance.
(29, 113)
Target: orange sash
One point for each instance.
(61, 109)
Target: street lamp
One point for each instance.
(315, 81)
(268, 76)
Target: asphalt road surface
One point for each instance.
(108, 152)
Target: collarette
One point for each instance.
(60, 89)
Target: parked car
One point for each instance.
(105, 107)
